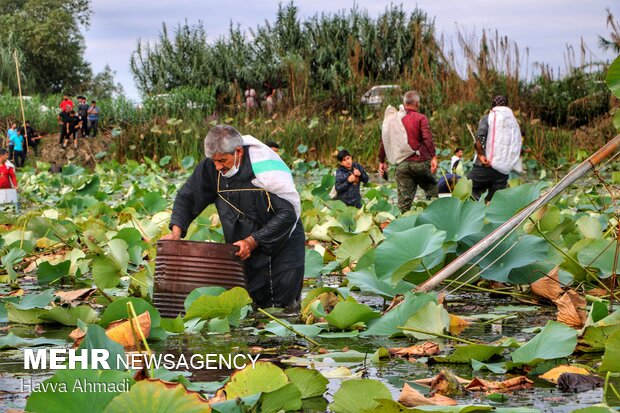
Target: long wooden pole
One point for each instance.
(606, 151)
(21, 99)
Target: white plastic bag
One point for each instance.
(503, 147)
(394, 135)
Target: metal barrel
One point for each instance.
(182, 266)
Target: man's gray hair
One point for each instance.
(411, 98)
(222, 139)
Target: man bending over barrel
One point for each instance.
(259, 207)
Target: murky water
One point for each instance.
(393, 372)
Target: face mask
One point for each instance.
(233, 170)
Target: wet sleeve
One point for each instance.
(363, 174)
(427, 136)
(382, 155)
(273, 235)
(342, 182)
(193, 197)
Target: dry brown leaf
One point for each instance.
(457, 324)
(447, 383)
(428, 382)
(14, 293)
(35, 263)
(553, 374)
(410, 397)
(122, 332)
(549, 287)
(328, 301)
(598, 292)
(220, 396)
(572, 309)
(426, 349)
(516, 383)
(67, 296)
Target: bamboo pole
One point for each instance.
(606, 151)
(21, 99)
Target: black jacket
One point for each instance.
(349, 192)
(243, 212)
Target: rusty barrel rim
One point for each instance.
(182, 266)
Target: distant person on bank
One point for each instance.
(8, 179)
(64, 121)
(66, 102)
(93, 118)
(10, 136)
(19, 149)
(349, 177)
(259, 207)
(82, 111)
(498, 149)
(32, 137)
(418, 167)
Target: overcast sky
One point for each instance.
(545, 27)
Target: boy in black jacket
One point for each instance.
(348, 177)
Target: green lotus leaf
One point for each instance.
(366, 280)
(155, 396)
(264, 378)
(556, 340)
(310, 382)
(611, 361)
(600, 254)
(47, 272)
(229, 303)
(432, 318)
(359, 395)
(458, 219)
(467, 353)
(398, 316)
(403, 247)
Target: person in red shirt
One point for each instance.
(66, 102)
(7, 171)
(419, 168)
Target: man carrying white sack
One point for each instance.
(259, 207)
(498, 149)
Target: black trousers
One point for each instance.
(20, 158)
(486, 179)
(282, 290)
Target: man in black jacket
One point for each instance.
(263, 225)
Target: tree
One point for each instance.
(102, 85)
(48, 35)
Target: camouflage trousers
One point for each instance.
(410, 174)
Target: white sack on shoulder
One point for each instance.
(503, 147)
(394, 135)
(272, 174)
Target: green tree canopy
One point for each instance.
(48, 35)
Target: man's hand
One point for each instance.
(245, 247)
(175, 235)
(351, 178)
(434, 164)
(382, 168)
(356, 172)
(484, 161)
